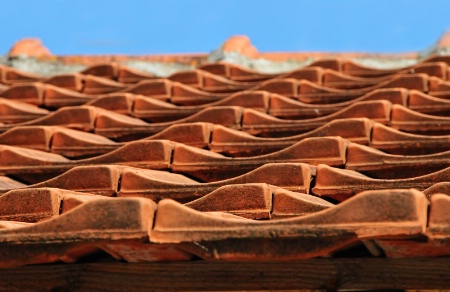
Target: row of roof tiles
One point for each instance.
(73, 225)
(291, 145)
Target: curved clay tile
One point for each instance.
(261, 124)
(378, 164)
(235, 72)
(407, 120)
(122, 127)
(401, 214)
(12, 111)
(394, 141)
(341, 184)
(237, 144)
(427, 104)
(259, 201)
(79, 232)
(154, 110)
(158, 185)
(9, 75)
(288, 108)
(209, 166)
(196, 134)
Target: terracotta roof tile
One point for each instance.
(88, 157)
(78, 231)
(208, 166)
(393, 141)
(158, 185)
(411, 121)
(261, 124)
(10, 75)
(154, 110)
(378, 164)
(235, 72)
(16, 112)
(228, 237)
(340, 184)
(288, 108)
(236, 143)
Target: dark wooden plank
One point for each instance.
(326, 274)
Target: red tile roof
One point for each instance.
(221, 160)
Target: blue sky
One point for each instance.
(170, 26)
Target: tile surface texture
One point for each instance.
(237, 155)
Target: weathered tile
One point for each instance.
(378, 164)
(259, 201)
(253, 201)
(312, 73)
(31, 93)
(154, 110)
(126, 128)
(38, 204)
(401, 214)
(175, 92)
(310, 92)
(12, 111)
(393, 141)
(408, 81)
(158, 88)
(207, 81)
(407, 120)
(78, 144)
(437, 240)
(435, 69)
(239, 144)
(430, 68)
(128, 75)
(60, 140)
(286, 87)
(107, 70)
(152, 154)
(341, 184)
(235, 72)
(158, 185)
(314, 93)
(439, 188)
(7, 184)
(87, 84)
(121, 103)
(261, 124)
(157, 111)
(209, 166)
(186, 95)
(98, 85)
(339, 80)
(328, 63)
(355, 69)
(288, 108)
(29, 165)
(287, 204)
(56, 97)
(72, 81)
(193, 134)
(33, 137)
(439, 87)
(121, 127)
(77, 117)
(96, 179)
(33, 166)
(427, 104)
(9, 75)
(78, 232)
